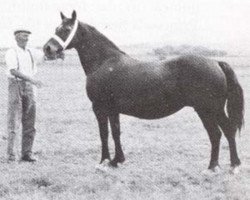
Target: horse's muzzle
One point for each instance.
(52, 54)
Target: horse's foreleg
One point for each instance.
(115, 127)
(210, 123)
(102, 119)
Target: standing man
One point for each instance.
(21, 99)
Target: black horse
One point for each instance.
(118, 84)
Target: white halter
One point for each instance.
(65, 43)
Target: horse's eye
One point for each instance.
(67, 28)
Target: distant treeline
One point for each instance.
(169, 50)
(160, 52)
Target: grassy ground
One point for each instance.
(164, 158)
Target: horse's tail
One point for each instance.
(235, 99)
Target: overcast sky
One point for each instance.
(221, 24)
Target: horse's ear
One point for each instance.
(62, 16)
(73, 15)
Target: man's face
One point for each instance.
(22, 39)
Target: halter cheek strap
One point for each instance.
(65, 43)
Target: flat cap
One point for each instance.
(22, 30)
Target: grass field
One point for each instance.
(157, 166)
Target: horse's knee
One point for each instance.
(215, 136)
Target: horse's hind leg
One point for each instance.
(209, 121)
(102, 119)
(115, 127)
(229, 132)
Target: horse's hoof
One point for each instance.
(235, 170)
(121, 160)
(212, 171)
(100, 168)
(207, 172)
(114, 163)
(104, 162)
(216, 169)
(103, 166)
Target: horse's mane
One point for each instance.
(100, 38)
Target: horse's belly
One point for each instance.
(148, 109)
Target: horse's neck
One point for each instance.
(96, 51)
(92, 60)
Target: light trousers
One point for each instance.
(21, 111)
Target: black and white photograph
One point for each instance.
(125, 100)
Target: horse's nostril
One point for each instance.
(48, 48)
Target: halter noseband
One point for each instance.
(65, 43)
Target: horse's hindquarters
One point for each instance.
(202, 83)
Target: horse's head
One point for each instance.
(64, 38)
